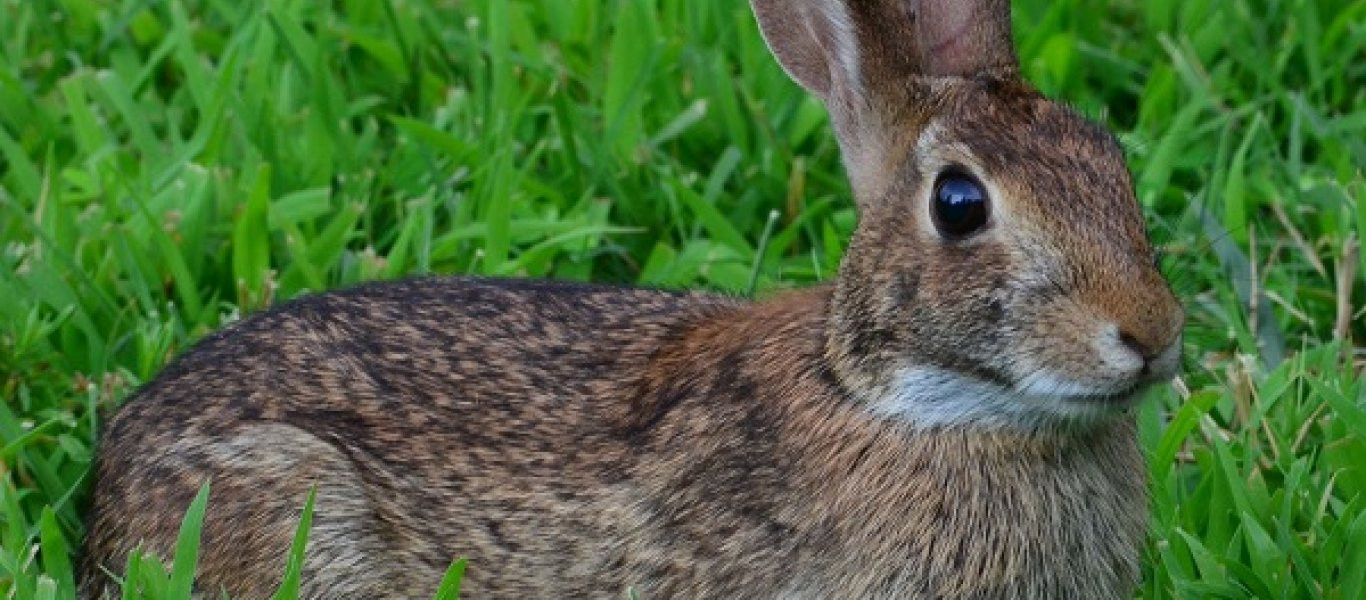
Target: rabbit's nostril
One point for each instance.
(1130, 341)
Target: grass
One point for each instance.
(168, 166)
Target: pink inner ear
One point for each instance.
(963, 37)
(944, 28)
(946, 44)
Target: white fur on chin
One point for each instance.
(927, 396)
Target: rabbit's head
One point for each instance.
(1001, 274)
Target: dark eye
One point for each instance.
(960, 204)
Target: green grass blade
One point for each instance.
(251, 240)
(294, 565)
(56, 555)
(16, 541)
(450, 582)
(187, 547)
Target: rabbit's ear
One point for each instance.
(812, 41)
(963, 37)
(846, 47)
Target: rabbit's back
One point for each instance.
(411, 351)
(437, 416)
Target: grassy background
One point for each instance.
(167, 166)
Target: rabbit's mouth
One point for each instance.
(1046, 383)
(1130, 395)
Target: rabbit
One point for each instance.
(951, 416)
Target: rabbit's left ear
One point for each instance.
(859, 56)
(813, 41)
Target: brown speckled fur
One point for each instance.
(576, 440)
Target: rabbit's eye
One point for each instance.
(960, 204)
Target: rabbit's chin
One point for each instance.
(932, 397)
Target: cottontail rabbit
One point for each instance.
(950, 418)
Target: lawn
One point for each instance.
(169, 166)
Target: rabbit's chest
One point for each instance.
(967, 518)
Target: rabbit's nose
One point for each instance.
(1132, 343)
(1146, 318)
(1158, 354)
